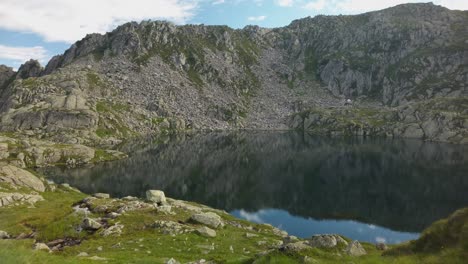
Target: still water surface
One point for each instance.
(366, 189)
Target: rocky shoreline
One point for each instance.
(103, 216)
(72, 226)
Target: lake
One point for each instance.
(371, 190)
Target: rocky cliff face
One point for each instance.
(6, 75)
(414, 51)
(155, 76)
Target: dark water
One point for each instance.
(366, 189)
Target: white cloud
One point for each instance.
(380, 240)
(453, 4)
(360, 6)
(252, 217)
(257, 18)
(316, 5)
(70, 20)
(285, 2)
(22, 54)
(217, 2)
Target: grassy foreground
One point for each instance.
(141, 241)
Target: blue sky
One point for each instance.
(40, 29)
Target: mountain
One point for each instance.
(403, 69)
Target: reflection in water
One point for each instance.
(302, 227)
(403, 185)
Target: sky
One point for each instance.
(40, 29)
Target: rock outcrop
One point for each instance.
(156, 77)
(6, 76)
(31, 68)
(18, 178)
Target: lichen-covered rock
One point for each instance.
(381, 246)
(206, 232)
(4, 235)
(155, 196)
(115, 230)
(355, 249)
(4, 151)
(326, 241)
(210, 219)
(91, 224)
(41, 246)
(296, 246)
(12, 199)
(171, 227)
(17, 177)
(101, 195)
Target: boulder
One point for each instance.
(290, 239)
(31, 68)
(209, 219)
(4, 151)
(91, 224)
(206, 231)
(101, 195)
(279, 232)
(381, 246)
(4, 235)
(41, 246)
(115, 230)
(82, 254)
(7, 199)
(355, 249)
(172, 261)
(296, 246)
(166, 209)
(323, 241)
(156, 196)
(17, 177)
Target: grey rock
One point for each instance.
(31, 68)
(206, 232)
(6, 75)
(155, 196)
(210, 219)
(91, 224)
(166, 209)
(171, 227)
(102, 195)
(41, 246)
(4, 151)
(115, 230)
(381, 246)
(172, 261)
(17, 177)
(296, 246)
(355, 249)
(323, 241)
(13, 199)
(4, 235)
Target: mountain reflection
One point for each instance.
(399, 184)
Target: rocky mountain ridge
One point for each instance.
(404, 68)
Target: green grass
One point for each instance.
(31, 82)
(195, 78)
(101, 155)
(48, 216)
(140, 242)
